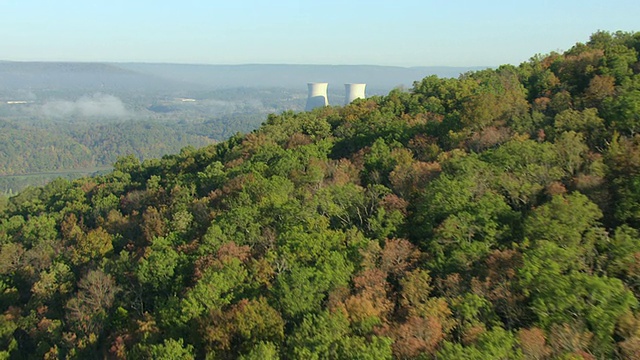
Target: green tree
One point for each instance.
(326, 336)
(560, 293)
(215, 289)
(564, 220)
(157, 271)
(171, 349)
(623, 112)
(262, 351)
(495, 344)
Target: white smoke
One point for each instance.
(97, 105)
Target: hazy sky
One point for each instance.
(399, 32)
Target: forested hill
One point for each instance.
(493, 216)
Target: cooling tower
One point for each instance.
(353, 91)
(317, 96)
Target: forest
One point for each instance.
(68, 134)
(491, 216)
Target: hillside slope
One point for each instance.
(493, 216)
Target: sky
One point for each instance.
(398, 33)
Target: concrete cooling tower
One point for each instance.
(353, 91)
(317, 96)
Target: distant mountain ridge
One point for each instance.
(293, 75)
(77, 76)
(149, 76)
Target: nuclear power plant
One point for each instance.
(353, 91)
(318, 94)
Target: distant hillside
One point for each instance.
(28, 149)
(263, 75)
(78, 77)
(152, 77)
